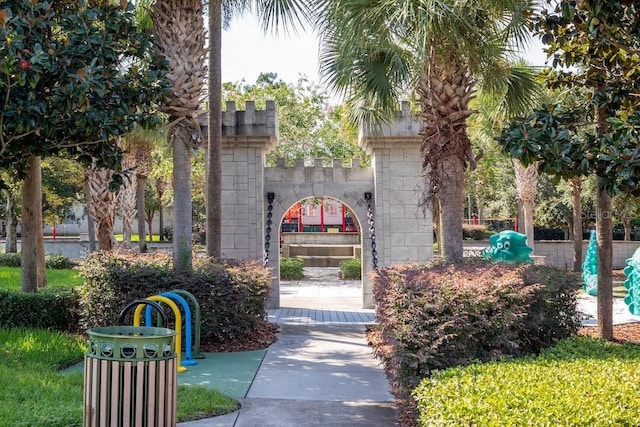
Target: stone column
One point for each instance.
(404, 230)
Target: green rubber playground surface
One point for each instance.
(229, 373)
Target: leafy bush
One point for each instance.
(351, 268)
(435, 316)
(579, 382)
(51, 261)
(232, 297)
(291, 268)
(10, 259)
(474, 231)
(55, 309)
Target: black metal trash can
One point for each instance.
(130, 377)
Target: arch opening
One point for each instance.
(322, 231)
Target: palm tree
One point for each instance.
(178, 27)
(527, 187)
(272, 13)
(374, 53)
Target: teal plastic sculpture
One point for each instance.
(632, 283)
(590, 266)
(508, 246)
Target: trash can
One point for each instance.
(130, 377)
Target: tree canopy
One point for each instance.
(72, 76)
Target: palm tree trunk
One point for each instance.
(451, 197)
(11, 241)
(103, 206)
(182, 210)
(140, 186)
(214, 151)
(576, 192)
(31, 191)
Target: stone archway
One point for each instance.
(322, 232)
(347, 184)
(255, 197)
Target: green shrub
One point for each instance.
(57, 262)
(351, 268)
(432, 317)
(291, 268)
(474, 232)
(55, 309)
(232, 296)
(51, 261)
(580, 382)
(10, 259)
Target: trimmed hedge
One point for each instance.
(351, 269)
(435, 316)
(291, 268)
(52, 309)
(13, 259)
(579, 382)
(232, 296)
(474, 232)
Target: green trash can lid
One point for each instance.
(131, 343)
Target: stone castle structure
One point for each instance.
(384, 197)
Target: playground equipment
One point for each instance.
(178, 317)
(590, 266)
(188, 360)
(632, 283)
(508, 246)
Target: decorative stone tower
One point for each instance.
(384, 198)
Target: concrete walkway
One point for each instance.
(320, 372)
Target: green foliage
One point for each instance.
(196, 401)
(29, 367)
(10, 259)
(432, 317)
(70, 91)
(58, 262)
(351, 269)
(474, 232)
(291, 268)
(55, 309)
(579, 382)
(232, 297)
(309, 128)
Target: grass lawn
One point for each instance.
(33, 391)
(68, 278)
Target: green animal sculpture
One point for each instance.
(590, 266)
(508, 246)
(632, 271)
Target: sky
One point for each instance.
(247, 52)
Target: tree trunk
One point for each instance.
(214, 151)
(91, 229)
(40, 263)
(528, 209)
(182, 210)
(451, 197)
(11, 241)
(142, 239)
(127, 199)
(626, 223)
(103, 206)
(604, 234)
(31, 226)
(161, 221)
(576, 192)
